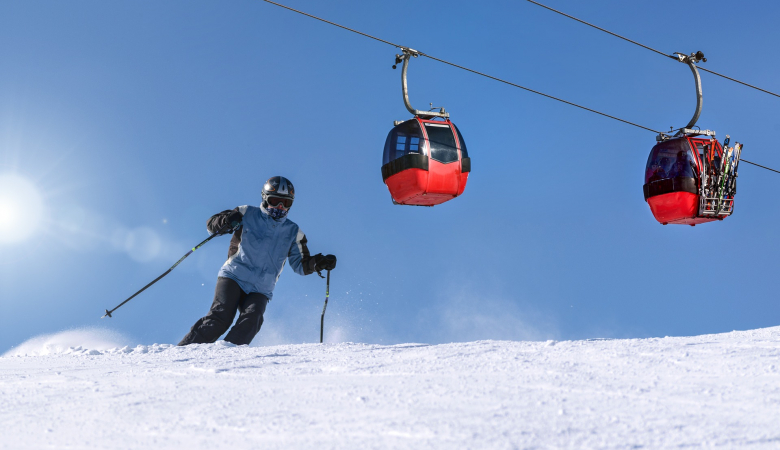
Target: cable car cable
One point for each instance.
(602, 29)
(508, 82)
(332, 23)
(759, 165)
(649, 48)
(466, 68)
(737, 81)
(540, 93)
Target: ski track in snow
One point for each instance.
(712, 391)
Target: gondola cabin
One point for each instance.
(688, 181)
(425, 162)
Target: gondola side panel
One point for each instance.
(407, 184)
(443, 178)
(674, 206)
(464, 178)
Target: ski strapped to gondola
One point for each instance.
(718, 201)
(730, 173)
(728, 154)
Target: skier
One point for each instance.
(657, 170)
(263, 238)
(681, 167)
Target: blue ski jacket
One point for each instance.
(260, 248)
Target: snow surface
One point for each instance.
(706, 391)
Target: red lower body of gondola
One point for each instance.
(677, 208)
(438, 184)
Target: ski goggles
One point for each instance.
(276, 201)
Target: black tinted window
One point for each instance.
(442, 142)
(670, 159)
(403, 139)
(463, 152)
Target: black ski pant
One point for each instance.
(229, 298)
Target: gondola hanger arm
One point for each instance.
(406, 54)
(691, 61)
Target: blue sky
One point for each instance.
(135, 121)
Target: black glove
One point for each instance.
(327, 262)
(233, 221)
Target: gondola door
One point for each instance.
(444, 160)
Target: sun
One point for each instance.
(21, 208)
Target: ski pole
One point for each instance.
(108, 313)
(327, 294)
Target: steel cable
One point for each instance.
(649, 48)
(465, 68)
(332, 23)
(759, 165)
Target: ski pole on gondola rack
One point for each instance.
(227, 226)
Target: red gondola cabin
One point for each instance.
(688, 181)
(425, 162)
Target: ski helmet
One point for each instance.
(279, 187)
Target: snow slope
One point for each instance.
(705, 391)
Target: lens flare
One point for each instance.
(143, 244)
(21, 208)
